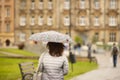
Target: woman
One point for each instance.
(53, 64)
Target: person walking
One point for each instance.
(114, 53)
(89, 52)
(53, 64)
(77, 48)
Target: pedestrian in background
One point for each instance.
(53, 64)
(114, 53)
(77, 48)
(89, 52)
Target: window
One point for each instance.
(23, 4)
(112, 21)
(49, 21)
(66, 21)
(82, 4)
(96, 21)
(82, 21)
(33, 4)
(50, 4)
(22, 21)
(96, 36)
(32, 33)
(0, 27)
(97, 4)
(40, 20)
(7, 11)
(67, 4)
(0, 13)
(32, 20)
(22, 36)
(112, 4)
(7, 27)
(112, 37)
(41, 5)
(7, 0)
(32, 0)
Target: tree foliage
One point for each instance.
(78, 39)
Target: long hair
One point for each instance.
(55, 49)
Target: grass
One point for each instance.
(80, 68)
(17, 51)
(9, 69)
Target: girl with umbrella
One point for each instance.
(53, 64)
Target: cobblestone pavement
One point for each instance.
(105, 71)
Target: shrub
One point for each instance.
(21, 46)
(78, 40)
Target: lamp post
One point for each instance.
(71, 56)
(104, 36)
(70, 25)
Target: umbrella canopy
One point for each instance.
(51, 36)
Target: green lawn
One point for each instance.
(9, 69)
(17, 51)
(80, 68)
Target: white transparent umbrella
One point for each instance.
(51, 36)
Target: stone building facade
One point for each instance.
(6, 22)
(90, 19)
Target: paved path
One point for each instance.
(10, 54)
(105, 71)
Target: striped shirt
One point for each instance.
(53, 68)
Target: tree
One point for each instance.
(78, 39)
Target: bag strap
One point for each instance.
(42, 57)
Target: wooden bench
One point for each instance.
(27, 70)
(93, 59)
